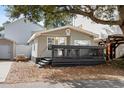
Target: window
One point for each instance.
(81, 42)
(61, 41)
(55, 41)
(50, 41)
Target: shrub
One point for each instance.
(118, 63)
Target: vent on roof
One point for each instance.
(68, 31)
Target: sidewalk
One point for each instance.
(69, 84)
(4, 69)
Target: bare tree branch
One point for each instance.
(92, 17)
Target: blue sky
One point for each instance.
(3, 17)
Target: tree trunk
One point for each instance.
(122, 28)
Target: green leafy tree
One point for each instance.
(1, 28)
(105, 14)
(41, 13)
(7, 22)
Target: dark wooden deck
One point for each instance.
(77, 55)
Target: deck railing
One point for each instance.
(71, 54)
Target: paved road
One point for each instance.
(4, 69)
(69, 84)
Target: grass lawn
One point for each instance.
(29, 72)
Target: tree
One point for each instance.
(52, 21)
(1, 28)
(7, 22)
(111, 15)
(41, 13)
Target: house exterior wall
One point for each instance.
(42, 41)
(23, 49)
(43, 48)
(20, 31)
(14, 49)
(80, 36)
(11, 45)
(120, 50)
(34, 48)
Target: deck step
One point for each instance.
(45, 58)
(41, 63)
(44, 61)
(39, 66)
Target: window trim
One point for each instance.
(48, 43)
(89, 42)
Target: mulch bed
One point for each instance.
(29, 72)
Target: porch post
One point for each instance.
(52, 51)
(68, 40)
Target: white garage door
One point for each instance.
(4, 52)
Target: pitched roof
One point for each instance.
(23, 19)
(35, 35)
(7, 39)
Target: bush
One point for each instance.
(118, 63)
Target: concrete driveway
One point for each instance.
(4, 69)
(69, 84)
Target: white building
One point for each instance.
(16, 35)
(66, 35)
(20, 30)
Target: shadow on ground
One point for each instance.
(68, 84)
(92, 84)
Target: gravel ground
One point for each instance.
(29, 72)
(69, 84)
